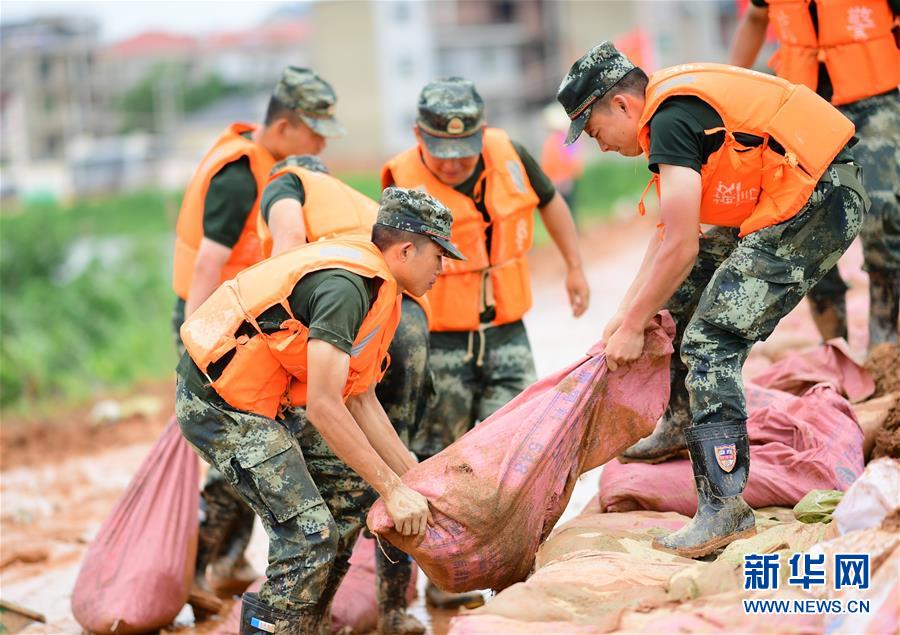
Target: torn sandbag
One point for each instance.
(499, 490)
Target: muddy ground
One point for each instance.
(62, 475)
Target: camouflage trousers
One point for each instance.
(738, 291)
(877, 121)
(226, 522)
(404, 393)
(311, 503)
(475, 374)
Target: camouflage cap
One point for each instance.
(305, 161)
(451, 118)
(312, 98)
(588, 80)
(417, 212)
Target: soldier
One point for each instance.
(302, 339)
(480, 355)
(848, 55)
(766, 163)
(303, 203)
(216, 238)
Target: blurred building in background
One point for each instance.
(79, 117)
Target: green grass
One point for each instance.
(86, 287)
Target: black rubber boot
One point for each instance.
(884, 305)
(667, 440)
(229, 573)
(720, 455)
(393, 570)
(258, 618)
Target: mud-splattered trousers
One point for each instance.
(877, 121)
(739, 289)
(475, 374)
(311, 504)
(404, 393)
(226, 522)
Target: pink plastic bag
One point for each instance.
(830, 363)
(498, 491)
(137, 573)
(355, 604)
(797, 444)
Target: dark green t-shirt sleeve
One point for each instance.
(333, 303)
(229, 199)
(540, 182)
(285, 186)
(676, 138)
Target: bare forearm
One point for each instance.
(558, 220)
(203, 283)
(346, 439)
(376, 426)
(749, 37)
(670, 267)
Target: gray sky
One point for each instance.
(123, 18)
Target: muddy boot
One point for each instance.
(230, 574)
(258, 618)
(393, 570)
(884, 304)
(830, 317)
(720, 455)
(446, 600)
(667, 440)
(204, 603)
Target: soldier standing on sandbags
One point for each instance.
(300, 339)
(215, 239)
(303, 203)
(767, 163)
(480, 355)
(848, 54)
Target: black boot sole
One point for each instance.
(707, 547)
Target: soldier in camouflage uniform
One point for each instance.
(310, 501)
(877, 121)
(299, 118)
(476, 371)
(403, 391)
(734, 294)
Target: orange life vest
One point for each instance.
(230, 147)
(560, 163)
(331, 209)
(854, 40)
(268, 371)
(499, 278)
(753, 187)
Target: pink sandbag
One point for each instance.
(498, 491)
(137, 573)
(797, 444)
(829, 363)
(355, 604)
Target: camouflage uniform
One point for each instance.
(311, 503)
(735, 295)
(226, 522)
(739, 290)
(475, 374)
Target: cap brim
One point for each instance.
(577, 125)
(324, 126)
(451, 251)
(453, 147)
